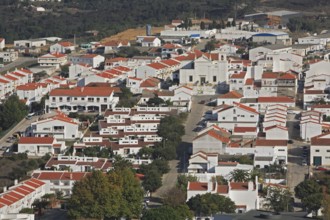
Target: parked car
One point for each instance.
(304, 162)
(321, 168)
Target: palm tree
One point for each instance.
(239, 175)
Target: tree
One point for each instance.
(155, 101)
(202, 25)
(306, 188)
(309, 191)
(220, 180)
(152, 181)
(145, 152)
(278, 199)
(210, 204)
(228, 24)
(167, 212)
(131, 191)
(94, 197)
(239, 175)
(182, 181)
(210, 45)
(171, 129)
(326, 207)
(174, 197)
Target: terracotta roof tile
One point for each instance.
(83, 91)
(36, 140)
(231, 95)
(198, 186)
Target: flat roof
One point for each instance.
(276, 46)
(278, 33)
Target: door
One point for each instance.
(203, 80)
(317, 161)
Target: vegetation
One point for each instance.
(239, 175)
(12, 111)
(278, 199)
(126, 98)
(210, 204)
(183, 180)
(113, 195)
(310, 193)
(168, 212)
(98, 152)
(78, 16)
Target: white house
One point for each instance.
(21, 195)
(31, 91)
(40, 146)
(324, 109)
(244, 195)
(79, 164)
(269, 152)
(52, 59)
(8, 56)
(30, 43)
(79, 70)
(59, 181)
(93, 60)
(283, 100)
(320, 150)
(236, 115)
(229, 98)
(202, 162)
(151, 42)
(62, 47)
(258, 53)
(212, 139)
(281, 38)
(322, 39)
(81, 99)
(59, 126)
(276, 132)
(2, 43)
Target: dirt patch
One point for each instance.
(130, 34)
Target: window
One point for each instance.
(281, 150)
(317, 150)
(223, 118)
(75, 98)
(214, 78)
(53, 99)
(105, 99)
(190, 78)
(252, 116)
(328, 150)
(60, 98)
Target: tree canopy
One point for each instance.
(309, 191)
(113, 195)
(167, 212)
(210, 204)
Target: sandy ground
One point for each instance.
(130, 34)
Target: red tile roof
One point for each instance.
(36, 140)
(170, 62)
(244, 107)
(28, 86)
(215, 135)
(150, 82)
(231, 95)
(157, 66)
(276, 99)
(3, 81)
(269, 75)
(320, 106)
(320, 140)
(198, 186)
(171, 46)
(314, 92)
(276, 126)
(287, 76)
(244, 129)
(264, 142)
(249, 82)
(66, 44)
(148, 39)
(83, 91)
(240, 75)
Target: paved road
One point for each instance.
(176, 166)
(21, 127)
(19, 62)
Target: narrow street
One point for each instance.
(177, 166)
(21, 61)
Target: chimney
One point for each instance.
(209, 186)
(15, 182)
(5, 189)
(250, 186)
(70, 176)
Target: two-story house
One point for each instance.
(81, 99)
(40, 146)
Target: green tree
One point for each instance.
(152, 181)
(145, 152)
(182, 181)
(174, 197)
(210, 204)
(278, 199)
(167, 212)
(210, 45)
(202, 25)
(12, 111)
(131, 192)
(155, 101)
(310, 193)
(239, 175)
(94, 197)
(170, 129)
